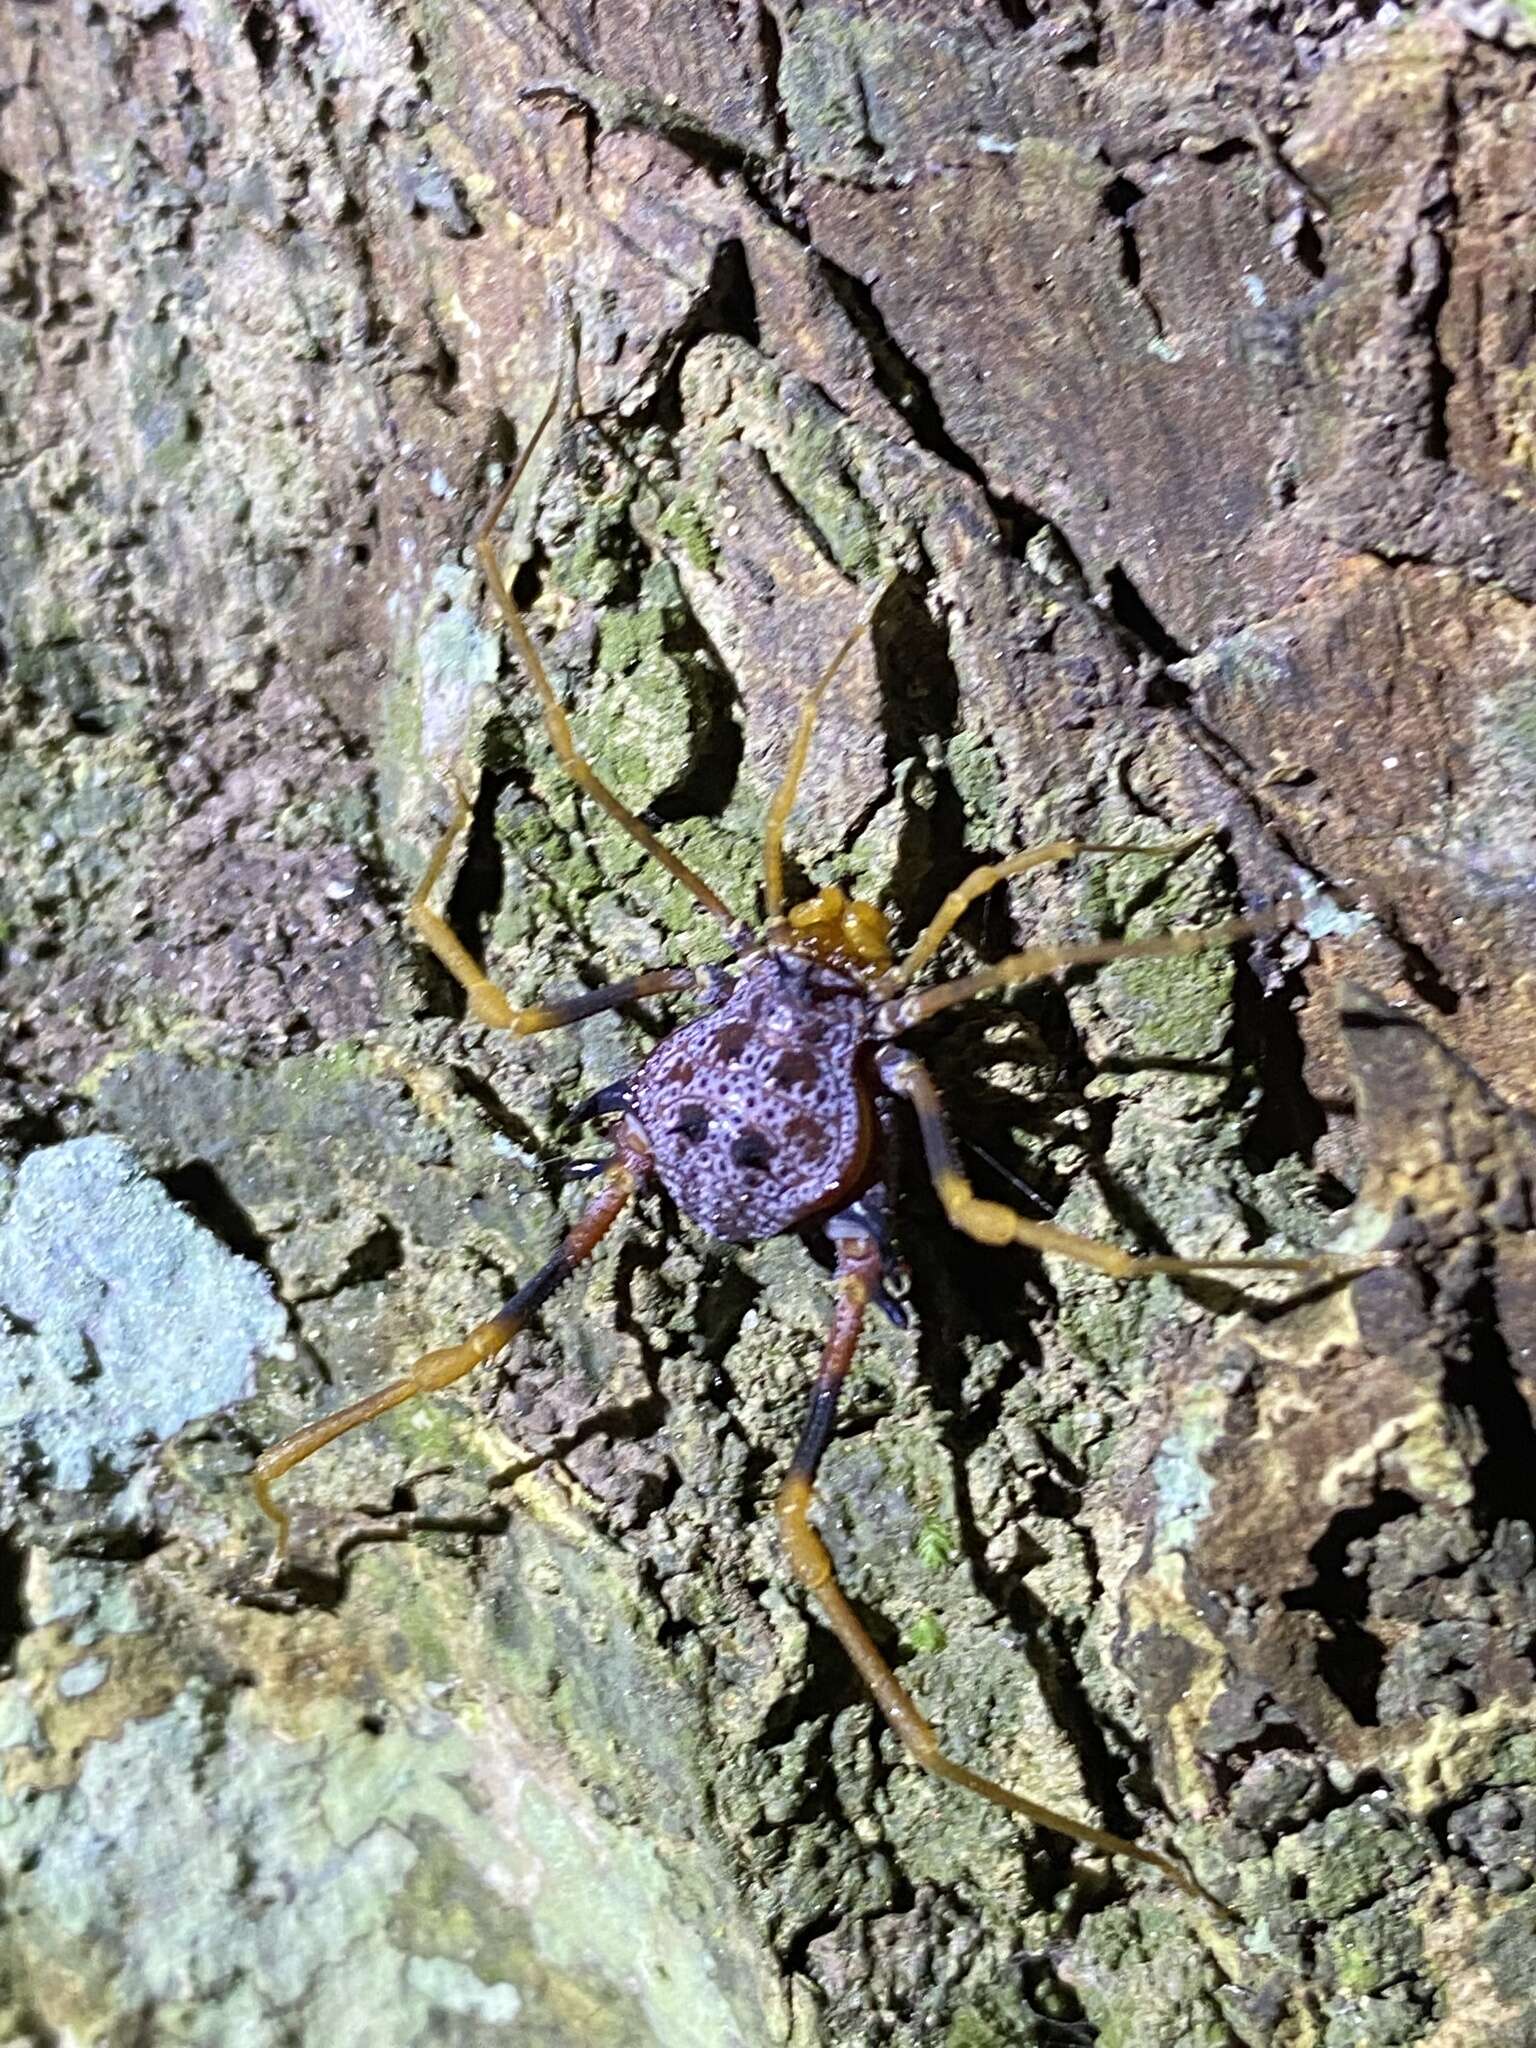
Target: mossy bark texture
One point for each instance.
(1178, 363)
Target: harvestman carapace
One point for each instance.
(770, 1112)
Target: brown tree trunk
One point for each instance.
(1179, 362)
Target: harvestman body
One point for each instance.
(766, 1114)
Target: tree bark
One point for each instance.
(1178, 363)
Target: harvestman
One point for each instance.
(770, 1112)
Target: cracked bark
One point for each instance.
(1180, 360)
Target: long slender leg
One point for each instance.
(487, 1004)
(858, 1281)
(784, 801)
(556, 723)
(986, 877)
(995, 1223)
(439, 1369)
(899, 1015)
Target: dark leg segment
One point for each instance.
(858, 1281)
(441, 1368)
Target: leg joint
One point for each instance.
(488, 1006)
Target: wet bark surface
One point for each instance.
(1177, 364)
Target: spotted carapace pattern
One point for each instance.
(757, 1114)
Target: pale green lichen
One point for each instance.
(1506, 1948)
(1182, 1479)
(384, 1877)
(458, 654)
(366, 1808)
(100, 1273)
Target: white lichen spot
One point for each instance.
(454, 1987)
(77, 1680)
(127, 1319)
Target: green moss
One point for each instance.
(1181, 1006)
(638, 718)
(977, 774)
(1146, 1981)
(685, 522)
(937, 1543)
(1350, 1859)
(1103, 1322)
(808, 445)
(811, 463)
(1177, 1008)
(595, 555)
(1375, 1947)
(630, 643)
(591, 566)
(970, 2030)
(925, 1634)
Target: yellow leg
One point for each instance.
(440, 1369)
(556, 723)
(981, 879)
(996, 1224)
(900, 1014)
(858, 1278)
(487, 1004)
(800, 746)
